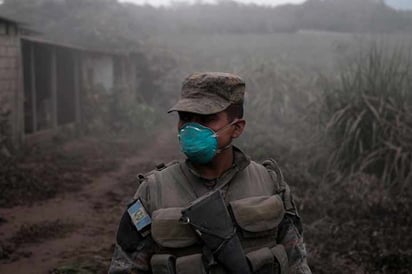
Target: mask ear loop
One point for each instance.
(225, 127)
(220, 150)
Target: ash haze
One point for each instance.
(168, 2)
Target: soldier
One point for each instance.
(152, 238)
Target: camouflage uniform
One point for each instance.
(262, 207)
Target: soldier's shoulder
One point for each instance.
(151, 181)
(254, 163)
(270, 166)
(161, 169)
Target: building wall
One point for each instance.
(10, 79)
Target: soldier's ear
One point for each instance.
(239, 126)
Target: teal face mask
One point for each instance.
(199, 143)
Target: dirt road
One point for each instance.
(74, 231)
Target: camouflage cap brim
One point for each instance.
(203, 106)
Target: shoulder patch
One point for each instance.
(139, 216)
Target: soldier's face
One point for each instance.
(215, 122)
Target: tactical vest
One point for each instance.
(257, 198)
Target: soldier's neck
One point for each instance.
(221, 163)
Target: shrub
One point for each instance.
(5, 138)
(111, 113)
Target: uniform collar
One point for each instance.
(240, 162)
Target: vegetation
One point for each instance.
(370, 116)
(352, 16)
(93, 265)
(110, 114)
(107, 24)
(5, 141)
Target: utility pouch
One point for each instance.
(191, 264)
(163, 264)
(269, 260)
(258, 216)
(262, 261)
(168, 232)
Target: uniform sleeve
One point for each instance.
(132, 251)
(290, 236)
(290, 233)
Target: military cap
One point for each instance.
(210, 92)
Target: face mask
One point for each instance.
(199, 143)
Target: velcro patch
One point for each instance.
(139, 216)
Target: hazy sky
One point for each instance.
(166, 2)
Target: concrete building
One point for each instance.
(43, 84)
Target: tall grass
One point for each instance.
(369, 116)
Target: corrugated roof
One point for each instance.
(21, 25)
(12, 21)
(52, 43)
(70, 46)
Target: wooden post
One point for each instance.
(33, 88)
(19, 96)
(77, 87)
(53, 83)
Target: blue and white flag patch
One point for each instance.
(139, 216)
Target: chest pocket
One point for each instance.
(168, 232)
(258, 216)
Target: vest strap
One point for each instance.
(277, 176)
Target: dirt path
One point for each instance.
(79, 225)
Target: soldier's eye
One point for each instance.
(209, 118)
(184, 117)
